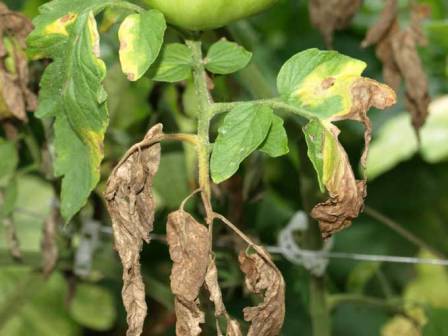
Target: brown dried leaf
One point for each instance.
(48, 245)
(212, 284)
(131, 206)
(408, 61)
(346, 193)
(15, 97)
(263, 278)
(397, 49)
(385, 22)
(331, 15)
(189, 247)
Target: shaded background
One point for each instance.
(82, 297)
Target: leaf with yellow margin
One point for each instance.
(328, 86)
(72, 93)
(141, 38)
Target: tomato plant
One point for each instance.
(151, 125)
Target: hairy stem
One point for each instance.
(205, 113)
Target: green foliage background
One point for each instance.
(83, 296)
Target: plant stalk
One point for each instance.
(205, 114)
(312, 240)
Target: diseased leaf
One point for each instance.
(212, 284)
(131, 207)
(276, 142)
(141, 38)
(174, 64)
(263, 278)
(15, 97)
(189, 247)
(243, 130)
(226, 57)
(397, 49)
(71, 91)
(331, 15)
(329, 87)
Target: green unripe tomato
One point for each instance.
(207, 14)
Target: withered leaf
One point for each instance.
(385, 22)
(346, 193)
(263, 278)
(212, 284)
(189, 248)
(396, 47)
(48, 245)
(15, 97)
(331, 15)
(131, 205)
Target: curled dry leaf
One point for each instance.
(397, 49)
(346, 193)
(211, 282)
(331, 15)
(189, 247)
(263, 278)
(15, 97)
(131, 205)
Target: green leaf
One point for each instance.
(226, 57)
(320, 82)
(174, 64)
(276, 143)
(9, 166)
(141, 38)
(243, 130)
(71, 91)
(315, 137)
(93, 307)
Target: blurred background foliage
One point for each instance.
(407, 184)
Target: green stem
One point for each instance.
(320, 316)
(205, 114)
(275, 103)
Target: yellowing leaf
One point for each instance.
(72, 92)
(141, 37)
(328, 87)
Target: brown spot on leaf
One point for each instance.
(189, 247)
(328, 82)
(331, 15)
(68, 17)
(263, 278)
(131, 206)
(346, 193)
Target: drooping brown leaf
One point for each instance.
(131, 206)
(346, 193)
(48, 245)
(15, 97)
(385, 22)
(211, 282)
(331, 15)
(263, 278)
(189, 247)
(396, 47)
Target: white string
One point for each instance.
(317, 261)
